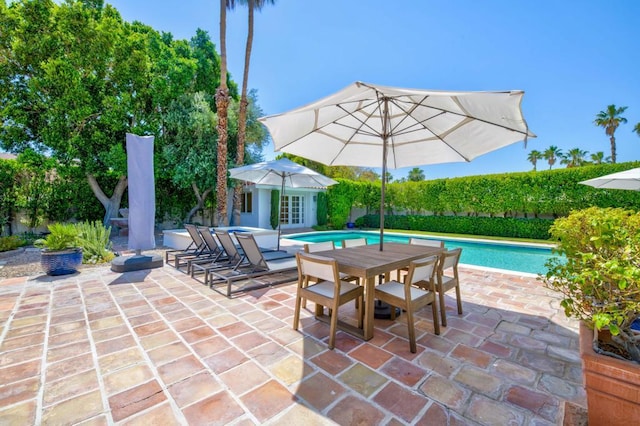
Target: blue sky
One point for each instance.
(572, 58)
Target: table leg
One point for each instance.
(369, 307)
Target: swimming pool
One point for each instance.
(521, 258)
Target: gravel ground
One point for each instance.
(26, 261)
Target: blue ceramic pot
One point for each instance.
(61, 262)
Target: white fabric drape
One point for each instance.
(142, 197)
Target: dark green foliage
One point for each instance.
(10, 243)
(321, 212)
(489, 226)
(8, 191)
(274, 217)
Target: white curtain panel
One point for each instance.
(142, 194)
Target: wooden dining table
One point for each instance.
(368, 262)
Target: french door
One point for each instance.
(292, 210)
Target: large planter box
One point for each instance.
(612, 385)
(61, 262)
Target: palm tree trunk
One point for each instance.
(222, 105)
(613, 149)
(242, 116)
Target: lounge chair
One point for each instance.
(253, 265)
(217, 257)
(231, 258)
(196, 248)
(417, 291)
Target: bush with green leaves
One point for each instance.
(274, 217)
(599, 279)
(93, 237)
(62, 236)
(11, 242)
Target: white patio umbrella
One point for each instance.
(283, 172)
(628, 179)
(379, 126)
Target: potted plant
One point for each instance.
(598, 276)
(60, 253)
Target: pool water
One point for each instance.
(493, 255)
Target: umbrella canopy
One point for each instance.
(284, 173)
(379, 126)
(629, 179)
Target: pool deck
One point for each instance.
(157, 347)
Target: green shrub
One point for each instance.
(600, 277)
(10, 243)
(489, 226)
(93, 237)
(274, 217)
(321, 213)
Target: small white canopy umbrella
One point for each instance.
(628, 179)
(284, 173)
(379, 126)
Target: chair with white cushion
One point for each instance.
(448, 279)
(416, 292)
(329, 290)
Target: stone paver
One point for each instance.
(157, 347)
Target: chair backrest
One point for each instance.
(317, 267)
(354, 242)
(449, 259)
(195, 236)
(315, 247)
(227, 245)
(425, 242)
(252, 252)
(422, 270)
(209, 239)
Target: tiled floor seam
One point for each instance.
(151, 365)
(44, 364)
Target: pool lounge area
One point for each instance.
(157, 346)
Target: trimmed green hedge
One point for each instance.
(489, 226)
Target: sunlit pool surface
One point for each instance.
(507, 256)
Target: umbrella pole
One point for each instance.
(280, 210)
(385, 124)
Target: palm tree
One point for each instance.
(575, 158)
(610, 119)
(599, 158)
(242, 113)
(222, 106)
(415, 175)
(533, 158)
(551, 154)
(637, 129)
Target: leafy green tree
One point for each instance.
(252, 5)
(368, 175)
(574, 158)
(533, 158)
(191, 127)
(35, 186)
(80, 79)
(415, 175)
(599, 158)
(8, 193)
(610, 119)
(552, 154)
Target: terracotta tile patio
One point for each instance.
(157, 347)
